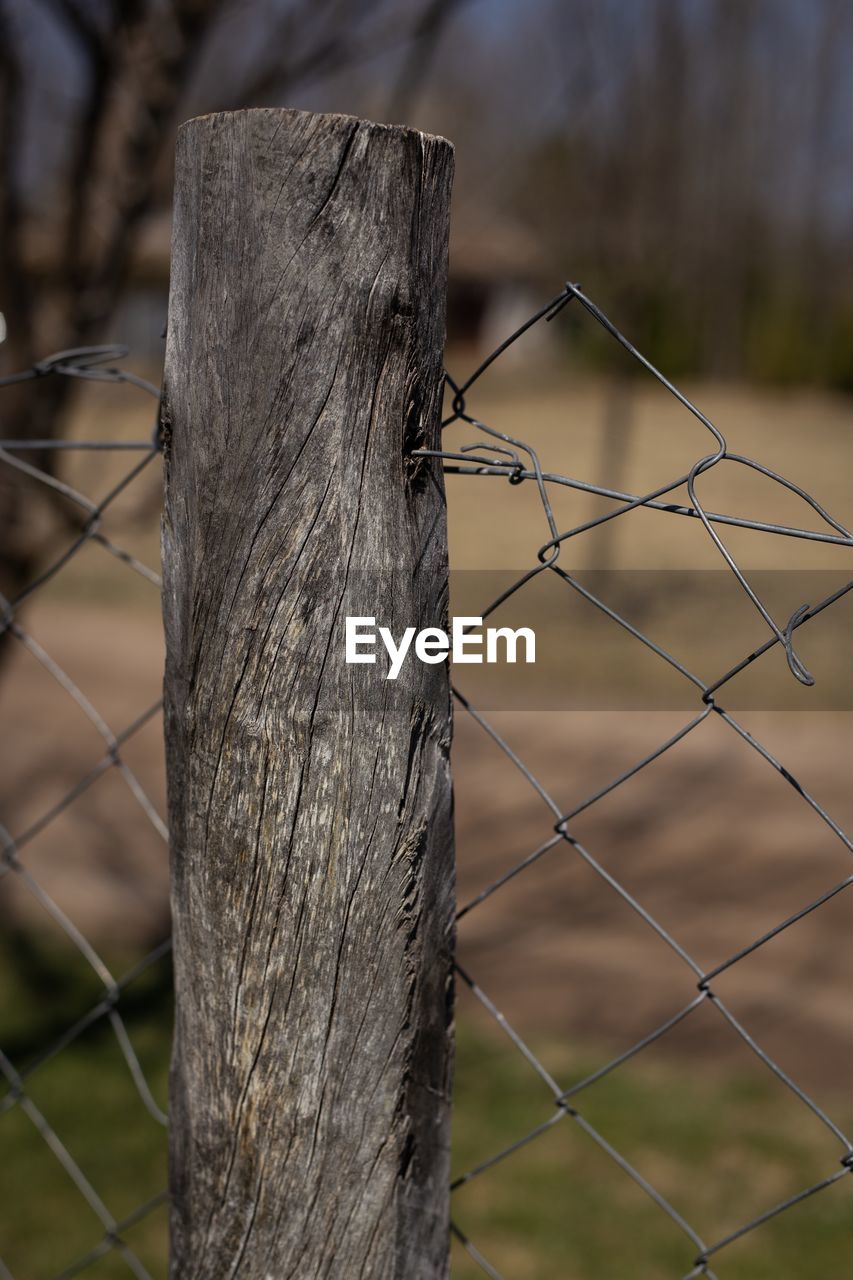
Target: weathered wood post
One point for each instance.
(309, 800)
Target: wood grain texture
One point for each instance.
(309, 800)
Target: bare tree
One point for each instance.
(144, 65)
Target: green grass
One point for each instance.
(87, 1097)
(722, 1147)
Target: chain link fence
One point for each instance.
(72, 522)
(496, 457)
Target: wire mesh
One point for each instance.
(499, 457)
(29, 470)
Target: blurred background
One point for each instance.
(688, 162)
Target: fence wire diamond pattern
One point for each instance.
(499, 457)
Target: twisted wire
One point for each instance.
(494, 454)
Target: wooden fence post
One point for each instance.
(309, 800)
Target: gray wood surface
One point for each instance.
(309, 800)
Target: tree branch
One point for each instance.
(104, 53)
(418, 60)
(80, 22)
(17, 297)
(134, 96)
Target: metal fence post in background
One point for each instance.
(309, 800)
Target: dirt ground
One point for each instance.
(709, 839)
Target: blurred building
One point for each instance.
(499, 276)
